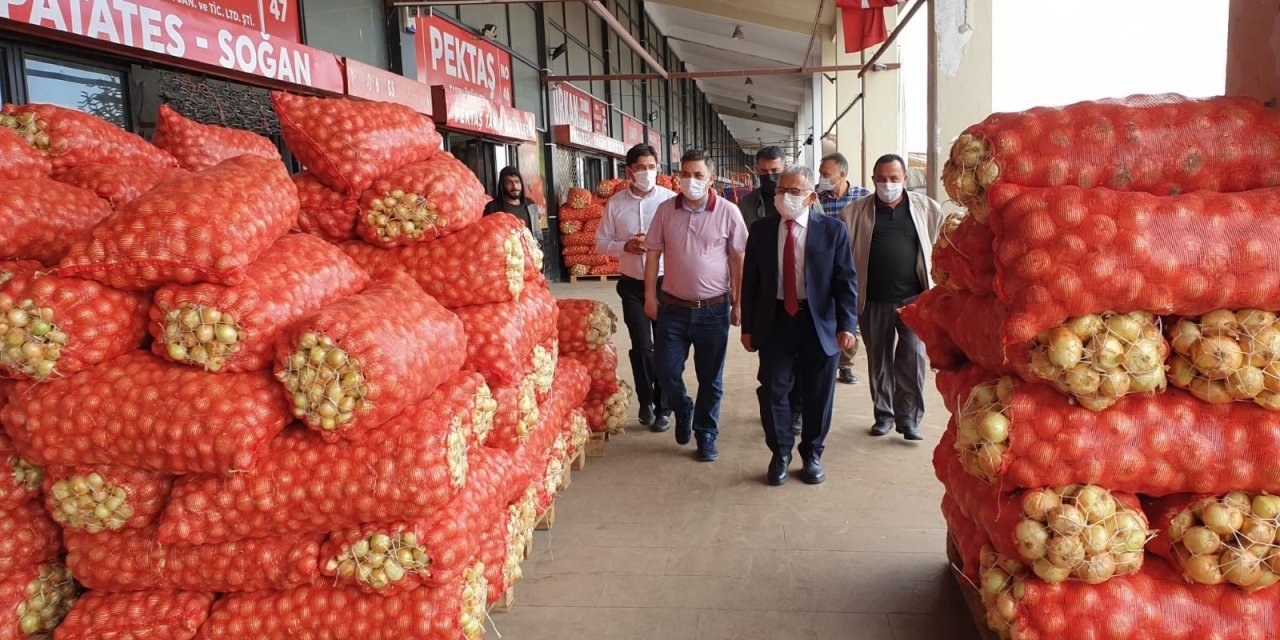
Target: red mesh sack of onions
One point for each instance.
(517, 414)
(324, 212)
(501, 337)
(303, 485)
(117, 184)
(1069, 532)
(1068, 252)
(421, 201)
(963, 259)
(482, 264)
(609, 269)
(349, 143)
(1160, 144)
(104, 498)
(505, 543)
(142, 615)
(1023, 435)
(19, 158)
(34, 600)
(27, 538)
(234, 328)
(584, 325)
(588, 260)
(578, 198)
(205, 227)
(607, 188)
(56, 327)
(607, 412)
(1213, 540)
(602, 367)
(19, 480)
(1094, 358)
(534, 258)
(455, 611)
(356, 362)
(433, 550)
(118, 561)
(200, 146)
(42, 218)
(575, 251)
(70, 137)
(143, 412)
(11, 268)
(578, 239)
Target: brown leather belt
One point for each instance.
(694, 304)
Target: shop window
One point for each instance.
(94, 90)
(352, 28)
(575, 19)
(528, 89)
(524, 37)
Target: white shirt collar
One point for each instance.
(803, 220)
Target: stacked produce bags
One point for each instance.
(241, 432)
(1108, 347)
(586, 332)
(580, 216)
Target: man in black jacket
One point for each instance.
(511, 199)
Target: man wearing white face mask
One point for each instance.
(799, 295)
(621, 234)
(835, 192)
(892, 233)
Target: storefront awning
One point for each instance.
(571, 136)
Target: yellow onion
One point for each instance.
(1130, 562)
(1128, 328)
(1263, 347)
(1201, 541)
(1143, 356)
(1096, 504)
(90, 503)
(1222, 519)
(1182, 522)
(1097, 539)
(1096, 569)
(994, 427)
(1203, 569)
(1257, 531)
(401, 214)
(1049, 572)
(1268, 400)
(1221, 322)
(49, 597)
(1239, 501)
(1038, 504)
(1272, 376)
(1004, 390)
(1254, 320)
(1041, 367)
(1217, 356)
(1184, 335)
(1115, 383)
(1066, 551)
(1064, 348)
(1240, 567)
(1086, 326)
(1106, 351)
(1147, 382)
(1033, 539)
(326, 384)
(1066, 520)
(967, 432)
(1265, 506)
(1081, 380)
(990, 458)
(1246, 383)
(1211, 391)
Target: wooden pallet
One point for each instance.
(504, 604)
(548, 519)
(605, 278)
(580, 461)
(595, 446)
(972, 599)
(566, 478)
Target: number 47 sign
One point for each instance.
(277, 18)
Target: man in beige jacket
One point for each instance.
(892, 234)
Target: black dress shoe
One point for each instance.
(660, 424)
(881, 428)
(912, 433)
(684, 432)
(646, 414)
(847, 376)
(707, 450)
(797, 425)
(778, 469)
(813, 473)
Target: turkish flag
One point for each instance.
(864, 24)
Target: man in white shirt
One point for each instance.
(622, 234)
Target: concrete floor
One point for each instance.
(651, 544)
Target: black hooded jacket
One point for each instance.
(526, 211)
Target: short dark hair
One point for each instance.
(771, 152)
(639, 151)
(698, 155)
(837, 158)
(890, 157)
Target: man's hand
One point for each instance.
(747, 344)
(846, 340)
(635, 245)
(651, 308)
(735, 315)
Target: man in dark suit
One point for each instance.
(799, 309)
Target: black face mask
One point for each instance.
(769, 184)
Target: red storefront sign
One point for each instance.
(600, 116)
(372, 83)
(451, 56)
(466, 111)
(632, 131)
(273, 17)
(571, 136)
(573, 107)
(655, 141)
(186, 32)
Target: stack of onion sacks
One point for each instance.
(1229, 539)
(1098, 358)
(1225, 356)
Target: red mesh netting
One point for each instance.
(44, 593)
(501, 337)
(1218, 539)
(534, 259)
(140, 411)
(607, 188)
(1149, 444)
(965, 256)
(421, 201)
(27, 538)
(578, 239)
(104, 498)
(1160, 144)
(356, 362)
(609, 269)
(575, 251)
(143, 615)
(578, 198)
(134, 561)
(482, 264)
(117, 184)
(43, 217)
(434, 550)
(303, 485)
(200, 146)
(323, 211)
(517, 414)
(19, 159)
(234, 328)
(19, 480)
(205, 227)
(349, 143)
(70, 325)
(71, 137)
(11, 268)
(590, 260)
(579, 217)
(602, 367)
(585, 325)
(1068, 252)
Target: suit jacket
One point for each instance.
(830, 280)
(860, 218)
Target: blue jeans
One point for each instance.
(707, 331)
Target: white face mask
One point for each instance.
(644, 180)
(790, 207)
(826, 184)
(693, 188)
(888, 191)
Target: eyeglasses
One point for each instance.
(803, 193)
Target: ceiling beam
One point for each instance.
(734, 11)
(625, 36)
(768, 54)
(730, 73)
(746, 115)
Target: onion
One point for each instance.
(1256, 531)
(1097, 570)
(1254, 320)
(1263, 347)
(1038, 504)
(1211, 391)
(1203, 569)
(1066, 520)
(1217, 356)
(1004, 390)
(1272, 376)
(994, 580)
(983, 395)
(1124, 327)
(1268, 400)
(1127, 563)
(1246, 383)
(1201, 541)
(1106, 351)
(1221, 322)
(1006, 607)
(1143, 356)
(1033, 539)
(1266, 506)
(1096, 402)
(1097, 539)
(1096, 504)
(967, 432)
(1238, 500)
(1050, 572)
(1066, 552)
(1086, 326)
(1267, 579)
(1182, 372)
(1184, 335)
(1147, 382)
(988, 172)
(1273, 561)
(1222, 519)
(1064, 348)
(1041, 367)
(1240, 567)
(994, 427)
(1081, 380)
(990, 459)
(1115, 383)
(1180, 524)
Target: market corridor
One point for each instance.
(651, 544)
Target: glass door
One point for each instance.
(480, 156)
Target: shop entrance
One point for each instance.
(485, 158)
(593, 171)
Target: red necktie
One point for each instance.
(790, 301)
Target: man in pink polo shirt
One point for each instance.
(702, 240)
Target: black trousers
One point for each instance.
(641, 328)
(793, 357)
